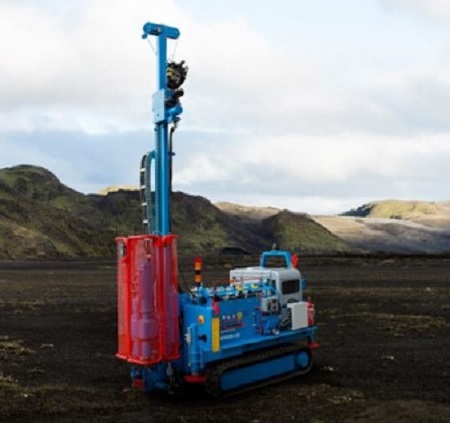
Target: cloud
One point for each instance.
(95, 65)
(402, 102)
(64, 73)
(317, 174)
(438, 10)
(292, 169)
(262, 124)
(88, 71)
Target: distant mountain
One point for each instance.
(394, 226)
(434, 213)
(299, 232)
(115, 188)
(247, 212)
(42, 218)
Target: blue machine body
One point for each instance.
(256, 328)
(219, 324)
(242, 328)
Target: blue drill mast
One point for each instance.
(257, 329)
(166, 111)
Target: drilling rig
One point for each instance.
(255, 330)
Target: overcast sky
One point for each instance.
(316, 106)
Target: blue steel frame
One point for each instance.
(162, 117)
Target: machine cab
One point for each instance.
(286, 283)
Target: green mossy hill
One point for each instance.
(400, 209)
(204, 227)
(39, 184)
(42, 218)
(298, 232)
(201, 225)
(119, 211)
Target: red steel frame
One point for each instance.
(148, 310)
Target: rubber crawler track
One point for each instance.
(215, 372)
